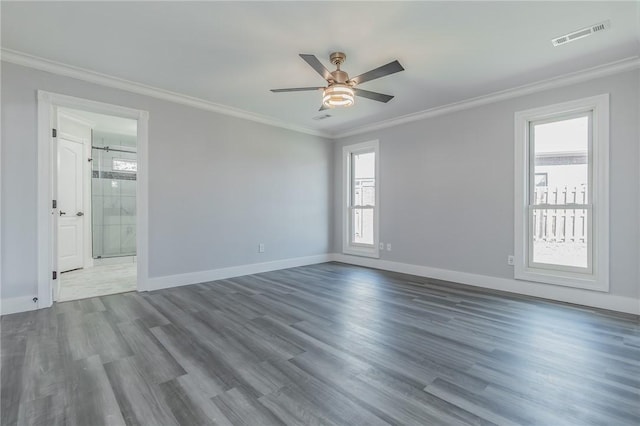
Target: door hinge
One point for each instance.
(55, 275)
(54, 204)
(54, 133)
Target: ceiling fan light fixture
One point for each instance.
(338, 95)
(341, 91)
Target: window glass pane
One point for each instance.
(124, 165)
(364, 184)
(561, 162)
(362, 226)
(560, 237)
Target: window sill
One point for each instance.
(362, 252)
(565, 279)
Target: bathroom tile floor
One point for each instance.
(97, 281)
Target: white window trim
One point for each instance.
(347, 246)
(598, 279)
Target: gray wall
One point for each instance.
(458, 169)
(218, 185)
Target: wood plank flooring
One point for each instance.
(328, 344)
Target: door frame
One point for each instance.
(47, 253)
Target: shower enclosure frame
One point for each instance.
(47, 215)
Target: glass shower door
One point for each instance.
(113, 195)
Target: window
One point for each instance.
(360, 208)
(561, 194)
(124, 165)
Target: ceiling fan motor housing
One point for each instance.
(339, 76)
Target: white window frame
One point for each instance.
(596, 276)
(348, 247)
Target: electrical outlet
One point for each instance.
(381, 245)
(388, 246)
(510, 260)
(261, 248)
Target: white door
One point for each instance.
(70, 205)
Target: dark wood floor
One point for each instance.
(326, 344)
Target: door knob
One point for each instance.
(79, 214)
(61, 212)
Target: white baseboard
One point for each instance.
(563, 294)
(157, 283)
(594, 299)
(17, 304)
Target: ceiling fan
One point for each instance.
(341, 89)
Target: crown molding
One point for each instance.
(31, 61)
(616, 67)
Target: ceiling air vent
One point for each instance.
(583, 32)
(322, 117)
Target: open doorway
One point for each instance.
(97, 172)
(92, 198)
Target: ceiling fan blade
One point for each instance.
(296, 89)
(390, 68)
(380, 97)
(316, 65)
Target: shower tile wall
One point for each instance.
(113, 197)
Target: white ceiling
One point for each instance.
(233, 53)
